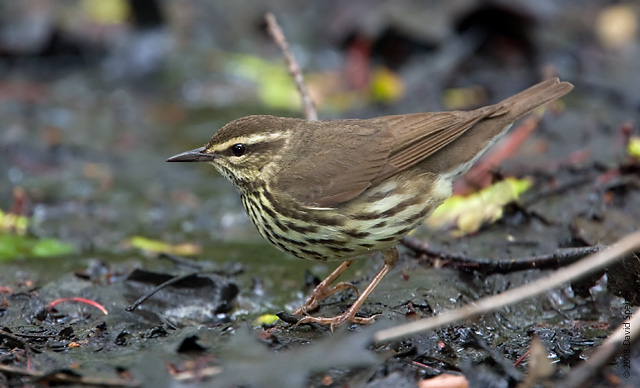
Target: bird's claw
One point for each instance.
(338, 320)
(320, 293)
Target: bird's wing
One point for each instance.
(418, 136)
(353, 155)
(332, 162)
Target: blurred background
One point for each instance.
(96, 94)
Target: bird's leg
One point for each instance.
(390, 256)
(324, 289)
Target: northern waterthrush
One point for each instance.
(340, 189)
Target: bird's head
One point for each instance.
(246, 150)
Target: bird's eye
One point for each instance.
(238, 149)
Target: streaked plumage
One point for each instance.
(337, 189)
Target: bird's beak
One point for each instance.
(195, 155)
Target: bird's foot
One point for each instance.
(322, 291)
(338, 320)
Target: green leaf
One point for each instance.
(13, 246)
(51, 247)
(276, 89)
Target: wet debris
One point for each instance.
(191, 297)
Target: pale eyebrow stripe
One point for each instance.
(253, 139)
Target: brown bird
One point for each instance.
(339, 189)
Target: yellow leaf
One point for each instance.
(466, 215)
(13, 223)
(107, 11)
(266, 320)
(276, 89)
(464, 98)
(385, 85)
(633, 148)
(164, 247)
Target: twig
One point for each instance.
(559, 258)
(61, 377)
(521, 358)
(178, 260)
(25, 345)
(581, 268)
(294, 69)
(19, 371)
(507, 367)
(530, 198)
(159, 287)
(625, 335)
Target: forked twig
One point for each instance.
(294, 69)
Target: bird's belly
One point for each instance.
(373, 221)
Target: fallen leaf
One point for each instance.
(633, 148)
(466, 214)
(14, 246)
(107, 12)
(13, 223)
(464, 98)
(186, 249)
(385, 85)
(266, 320)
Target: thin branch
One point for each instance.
(581, 268)
(559, 258)
(25, 345)
(294, 69)
(159, 287)
(65, 378)
(61, 377)
(178, 260)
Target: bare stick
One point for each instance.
(583, 267)
(180, 260)
(63, 377)
(294, 69)
(625, 335)
(558, 258)
(159, 287)
(25, 344)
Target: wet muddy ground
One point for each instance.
(82, 153)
